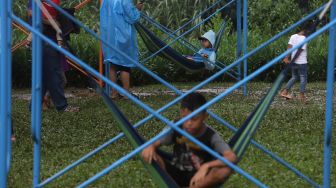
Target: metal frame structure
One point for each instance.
(5, 91)
(5, 95)
(242, 38)
(70, 61)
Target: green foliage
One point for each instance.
(266, 18)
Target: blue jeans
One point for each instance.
(299, 72)
(52, 77)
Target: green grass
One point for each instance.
(292, 130)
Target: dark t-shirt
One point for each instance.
(187, 155)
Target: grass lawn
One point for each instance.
(292, 130)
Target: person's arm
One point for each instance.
(287, 58)
(206, 167)
(212, 58)
(149, 154)
(229, 155)
(219, 145)
(131, 12)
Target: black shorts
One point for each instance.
(182, 178)
(121, 68)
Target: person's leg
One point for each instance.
(303, 81)
(53, 77)
(64, 79)
(291, 82)
(125, 79)
(295, 77)
(180, 177)
(46, 104)
(215, 177)
(113, 77)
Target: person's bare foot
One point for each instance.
(284, 93)
(45, 107)
(116, 96)
(302, 98)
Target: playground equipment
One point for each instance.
(70, 61)
(5, 69)
(158, 47)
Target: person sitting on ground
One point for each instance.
(192, 166)
(207, 42)
(300, 65)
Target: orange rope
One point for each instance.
(82, 4)
(21, 28)
(19, 45)
(70, 61)
(77, 67)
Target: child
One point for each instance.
(299, 67)
(191, 166)
(207, 42)
(117, 19)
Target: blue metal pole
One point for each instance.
(9, 87)
(245, 41)
(151, 141)
(36, 101)
(250, 53)
(239, 35)
(185, 43)
(4, 54)
(266, 151)
(209, 103)
(145, 107)
(225, 6)
(232, 65)
(329, 101)
(266, 43)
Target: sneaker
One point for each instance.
(71, 109)
(134, 95)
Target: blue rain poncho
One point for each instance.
(116, 27)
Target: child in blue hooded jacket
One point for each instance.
(207, 42)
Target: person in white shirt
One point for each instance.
(300, 65)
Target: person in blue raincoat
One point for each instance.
(116, 27)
